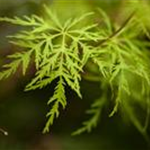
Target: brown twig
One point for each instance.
(3, 131)
(117, 31)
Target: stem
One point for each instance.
(117, 31)
(3, 131)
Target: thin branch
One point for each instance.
(117, 31)
(3, 131)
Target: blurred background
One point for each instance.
(22, 114)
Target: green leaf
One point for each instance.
(95, 111)
(58, 99)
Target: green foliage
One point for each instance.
(55, 47)
(95, 111)
(63, 51)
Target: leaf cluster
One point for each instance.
(61, 50)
